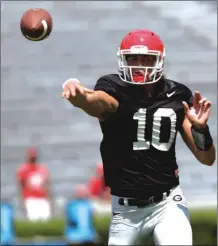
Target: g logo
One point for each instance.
(177, 198)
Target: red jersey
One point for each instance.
(34, 178)
(96, 186)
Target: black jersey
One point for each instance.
(138, 146)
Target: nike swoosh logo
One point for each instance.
(170, 94)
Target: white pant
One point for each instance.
(167, 221)
(37, 209)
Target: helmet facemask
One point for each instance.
(151, 75)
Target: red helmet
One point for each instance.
(141, 42)
(31, 154)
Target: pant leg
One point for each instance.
(44, 209)
(174, 227)
(31, 206)
(123, 229)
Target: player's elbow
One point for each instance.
(211, 160)
(208, 162)
(207, 159)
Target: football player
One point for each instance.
(140, 113)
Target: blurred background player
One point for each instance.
(7, 223)
(33, 180)
(79, 228)
(97, 187)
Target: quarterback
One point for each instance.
(140, 112)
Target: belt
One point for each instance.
(141, 202)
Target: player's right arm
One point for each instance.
(95, 103)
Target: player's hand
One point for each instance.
(75, 92)
(198, 115)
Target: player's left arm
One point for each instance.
(206, 156)
(195, 131)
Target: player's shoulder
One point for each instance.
(22, 168)
(42, 167)
(111, 80)
(177, 86)
(112, 85)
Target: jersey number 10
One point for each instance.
(142, 143)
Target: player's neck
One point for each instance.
(152, 89)
(149, 90)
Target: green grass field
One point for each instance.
(204, 224)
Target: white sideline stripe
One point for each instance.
(192, 14)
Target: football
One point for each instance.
(36, 24)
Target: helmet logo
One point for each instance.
(139, 49)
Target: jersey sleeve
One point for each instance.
(103, 84)
(188, 97)
(94, 187)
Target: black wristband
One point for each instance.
(202, 137)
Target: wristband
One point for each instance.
(202, 137)
(76, 80)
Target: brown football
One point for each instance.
(36, 24)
